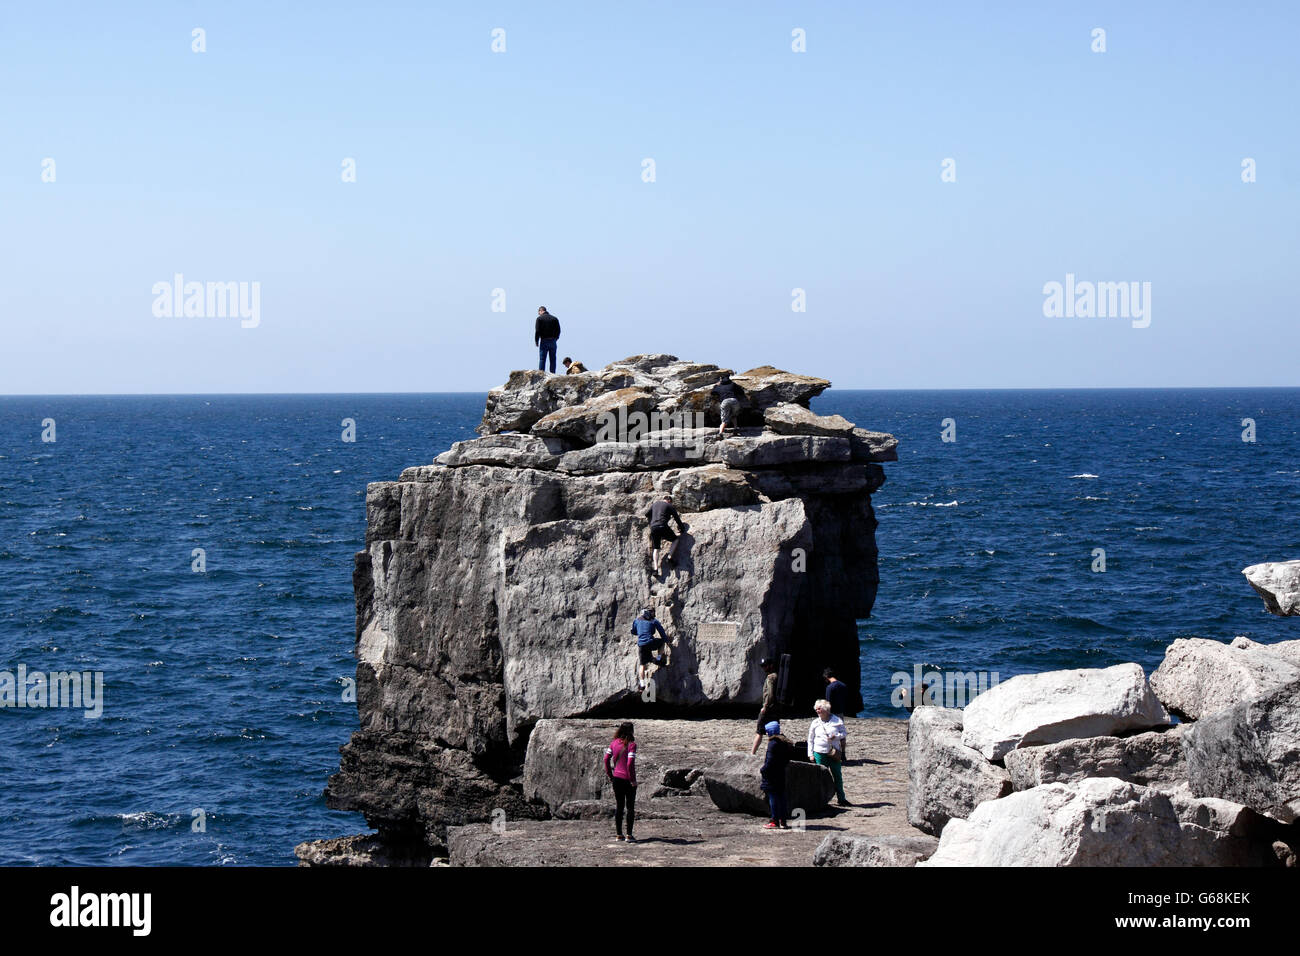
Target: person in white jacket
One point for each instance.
(826, 737)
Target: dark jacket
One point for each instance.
(661, 512)
(779, 751)
(837, 695)
(547, 327)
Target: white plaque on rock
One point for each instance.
(719, 631)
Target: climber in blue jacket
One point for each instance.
(645, 627)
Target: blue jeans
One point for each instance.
(776, 802)
(547, 347)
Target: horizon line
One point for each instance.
(845, 388)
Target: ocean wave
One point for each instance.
(1085, 475)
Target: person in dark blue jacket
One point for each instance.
(645, 627)
(779, 751)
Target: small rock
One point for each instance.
(733, 785)
(798, 420)
(841, 849)
(1278, 583)
(765, 386)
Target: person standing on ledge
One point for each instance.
(837, 692)
(826, 735)
(546, 332)
(644, 627)
(573, 368)
(620, 768)
(660, 513)
(768, 710)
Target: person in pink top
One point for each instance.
(620, 768)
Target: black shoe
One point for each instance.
(843, 803)
(631, 838)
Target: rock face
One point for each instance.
(840, 849)
(1250, 753)
(1045, 708)
(498, 585)
(1104, 822)
(1153, 759)
(733, 785)
(1278, 583)
(946, 779)
(565, 764)
(1198, 677)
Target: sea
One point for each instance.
(196, 551)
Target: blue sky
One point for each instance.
(522, 170)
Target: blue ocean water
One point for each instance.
(224, 689)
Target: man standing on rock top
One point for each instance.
(546, 332)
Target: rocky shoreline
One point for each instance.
(493, 599)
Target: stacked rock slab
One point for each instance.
(498, 585)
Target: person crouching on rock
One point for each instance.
(660, 513)
(644, 627)
(768, 710)
(573, 368)
(620, 768)
(777, 759)
(826, 737)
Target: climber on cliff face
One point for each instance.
(644, 627)
(728, 407)
(660, 513)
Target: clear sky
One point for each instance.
(523, 171)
